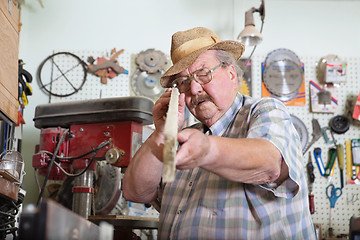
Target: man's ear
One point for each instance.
(232, 74)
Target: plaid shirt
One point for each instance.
(202, 205)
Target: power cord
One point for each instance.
(50, 165)
(54, 156)
(100, 146)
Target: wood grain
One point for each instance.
(171, 131)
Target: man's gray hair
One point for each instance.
(228, 58)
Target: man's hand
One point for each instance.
(248, 160)
(161, 107)
(195, 146)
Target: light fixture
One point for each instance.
(250, 36)
(12, 166)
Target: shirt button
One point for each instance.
(179, 212)
(190, 184)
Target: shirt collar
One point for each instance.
(220, 125)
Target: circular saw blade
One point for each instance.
(280, 54)
(283, 78)
(301, 129)
(147, 84)
(151, 61)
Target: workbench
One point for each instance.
(123, 225)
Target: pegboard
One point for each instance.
(120, 86)
(93, 88)
(349, 202)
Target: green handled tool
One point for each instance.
(330, 163)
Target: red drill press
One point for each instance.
(76, 134)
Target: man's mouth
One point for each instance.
(200, 100)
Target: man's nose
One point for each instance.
(195, 87)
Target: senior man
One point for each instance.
(239, 171)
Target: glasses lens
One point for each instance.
(203, 76)
(183, 84)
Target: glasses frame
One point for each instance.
(193, 77)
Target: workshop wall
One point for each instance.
(312, 29)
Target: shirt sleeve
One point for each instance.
(268, 119)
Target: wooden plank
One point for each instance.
(13, 16)
(9, 45)
(8, 104)
(8, 188)
(123, 217)
(170, 132)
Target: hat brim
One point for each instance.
(233, 47)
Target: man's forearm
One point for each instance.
(143, 174)
(254, 161)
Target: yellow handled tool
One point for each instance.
(348, 159)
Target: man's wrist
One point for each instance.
(212, 153)
(158, 136)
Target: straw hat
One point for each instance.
(186, 47)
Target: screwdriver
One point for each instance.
(310, 170)
(340, 153)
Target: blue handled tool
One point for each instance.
(319, 162)
(333, 194)
(325, 171)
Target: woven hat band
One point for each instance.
(191, 46)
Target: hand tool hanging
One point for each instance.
(311, 176)
(24, 78)
(339, 124)
(106, 68)
(316, 134)
(24, 90)
(319, 161)
(340, 154)
(334, 153)
(325, 171)
(333, 194)
(349, 164)
(330, 166)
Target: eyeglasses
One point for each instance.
(201, 76)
